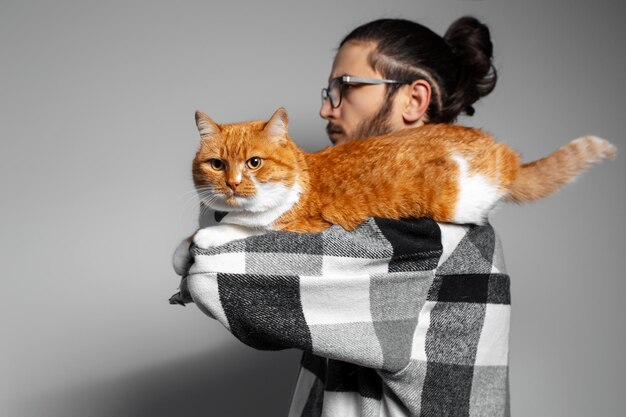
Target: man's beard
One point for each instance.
(376, 125)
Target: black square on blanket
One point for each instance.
(262, 314)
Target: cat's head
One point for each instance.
(249, 166)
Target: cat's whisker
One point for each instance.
(204, 210)
(195, 191)
(198, 192)
(192, 198)
(208, 200)
(191, 202)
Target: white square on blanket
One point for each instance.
(229, 263)
(493, 345)
(418, 350)
(332, 299)
(333, 265)
(451, 235)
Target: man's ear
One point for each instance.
(278, 123)
(417, 101)
(206, 126)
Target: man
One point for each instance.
(398, 317)
(365, 109)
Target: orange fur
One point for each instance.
(411, 173)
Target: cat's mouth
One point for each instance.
(232, 200)
(227, 201)
(237, 199)
(238, 194)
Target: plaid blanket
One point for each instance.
(396, 318)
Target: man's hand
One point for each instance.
(182, 259)
(182, 297)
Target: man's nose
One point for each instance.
(326, 110)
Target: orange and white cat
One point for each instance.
(256, 174)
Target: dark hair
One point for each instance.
(458, 66)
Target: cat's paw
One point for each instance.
(210, 237)
(204, 239)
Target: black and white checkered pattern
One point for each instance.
(395, 318)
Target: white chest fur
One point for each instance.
(477, 195)
(271, 201)
(253, 216)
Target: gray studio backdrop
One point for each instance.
(97, 134)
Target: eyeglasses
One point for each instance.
(334, 91)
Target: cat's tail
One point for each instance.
(540, 178)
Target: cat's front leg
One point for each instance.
(221, 234)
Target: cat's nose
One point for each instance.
(233, 184)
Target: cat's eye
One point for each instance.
(254, 162)
(216, 164)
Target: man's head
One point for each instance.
(439, 77)
(369, 109)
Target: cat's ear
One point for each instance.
(277, 125)
(206, 126)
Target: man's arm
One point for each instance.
(352, 296)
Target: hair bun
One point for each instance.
(470, 42)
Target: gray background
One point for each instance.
(97, 134)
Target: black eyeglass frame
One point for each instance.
(349, 79)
